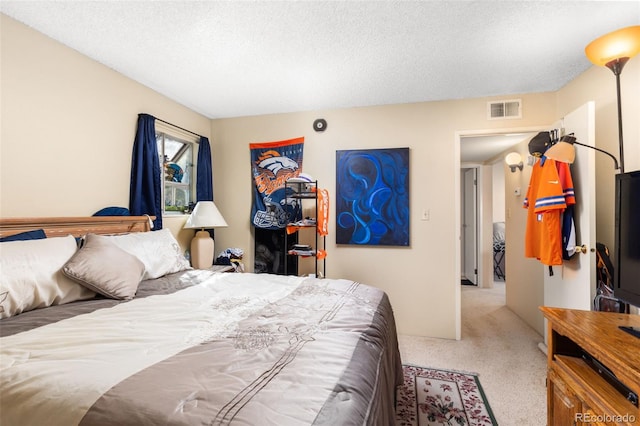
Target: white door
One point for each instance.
(469, 229)
(573, 285)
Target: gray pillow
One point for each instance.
(105, 268)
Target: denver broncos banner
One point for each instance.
(272, 164)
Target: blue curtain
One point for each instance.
(145, 195)
(204, 181)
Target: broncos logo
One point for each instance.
(274, 162)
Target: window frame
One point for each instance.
(162, 135)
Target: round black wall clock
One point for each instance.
(320, 125)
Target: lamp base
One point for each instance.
(202, 250)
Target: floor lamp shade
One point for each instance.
(613, 50)
(622, 43)
(205, 215)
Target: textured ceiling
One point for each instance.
(229, 59)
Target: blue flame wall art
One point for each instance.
(372, 197)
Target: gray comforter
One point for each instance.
(202, 348)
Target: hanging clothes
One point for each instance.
(550, 192)
(568, 226)
(568, 233)
(323, 212)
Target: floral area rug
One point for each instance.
(441, 397)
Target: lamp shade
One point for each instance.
(514, 161)
(205, 215)
(622, 43)
(562, 151)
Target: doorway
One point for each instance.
(483, 152)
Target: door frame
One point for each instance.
(465, 245)
(483, 248)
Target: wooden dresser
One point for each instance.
(576, 393)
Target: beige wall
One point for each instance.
(421, 280)
(68, 125)
(498, 199)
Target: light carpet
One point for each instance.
(441, 397)
(500, 347)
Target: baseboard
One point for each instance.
(543, 347)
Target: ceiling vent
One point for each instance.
(504, 109)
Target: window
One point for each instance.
(177, 168)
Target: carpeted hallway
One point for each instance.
(497, 345)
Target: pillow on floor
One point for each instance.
(31, 276)
(105, 268)
(158, 250)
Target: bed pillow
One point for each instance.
(31, 276)
(36, 234)
(105, 268)
(158, 250)
(113, 211)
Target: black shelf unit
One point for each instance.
(296, 192)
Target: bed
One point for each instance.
(182, 347)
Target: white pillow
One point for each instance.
(31, 276)
(158, 250)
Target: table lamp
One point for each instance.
(205, 215)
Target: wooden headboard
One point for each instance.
(76, 226)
